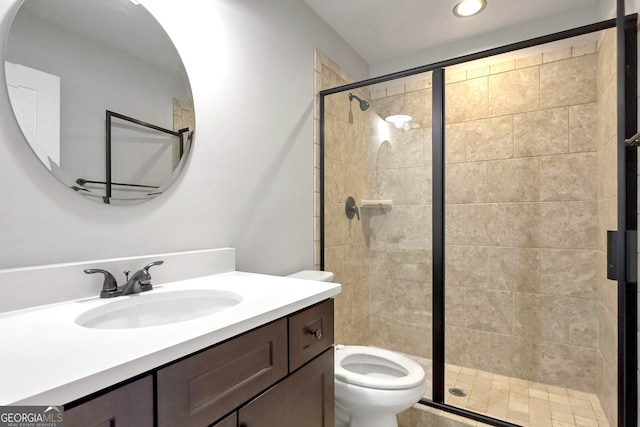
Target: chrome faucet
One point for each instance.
(140, 281)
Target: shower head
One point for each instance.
(364, 105)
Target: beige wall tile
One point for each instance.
(606, 171)
(529, 61)
(409, 263)
(556, 55)
(388, 106)
(485, 224)
(467, 100)
(584, 225)
(455, 308)
(455, 75)
(418, 106)
(466, 183)
(424, 81)
(389, 185)
(416, 185)
(540, 133)
(607, 336)
(455, 141)
(569, 272)
(402, 299)
(552, 366)
(514, 91)
(514, 269)
(489, 139)
(568, 177)
(466, 347)
(489, 310)
(503, 66)
(542, 225)
(585, 49)
(569, 82)
(542, 317)
(583, 121)
(583, 327)
(409, 224)
(467, 266)
(480, 71)
(607, 64)
(607, 118)
(402, 150)
(514, 180)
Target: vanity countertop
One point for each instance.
(48, 359)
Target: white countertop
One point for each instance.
(47, 359)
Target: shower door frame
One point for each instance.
(627, 206)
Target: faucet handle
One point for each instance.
(151, 264)
(109, 285)
(145, 279)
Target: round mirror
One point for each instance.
(101, 95)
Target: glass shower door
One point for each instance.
(530, 192)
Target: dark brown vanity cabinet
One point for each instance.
(128, 406)
(203, 388)
(305, 398)
(277, 375)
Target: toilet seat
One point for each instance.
(376, 368)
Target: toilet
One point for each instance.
(372, 384)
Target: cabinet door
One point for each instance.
(305, 398)
(202, 388)
(128, 406)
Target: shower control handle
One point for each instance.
(351, 209)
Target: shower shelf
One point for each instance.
(387, 203)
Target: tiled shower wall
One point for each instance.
(521, 220)
(346, 174)
(607, 311)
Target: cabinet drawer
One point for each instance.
(310, 333)
(201, 389)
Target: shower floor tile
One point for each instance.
(519, 401)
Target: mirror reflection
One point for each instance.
(101, 96)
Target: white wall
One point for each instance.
(249, 182)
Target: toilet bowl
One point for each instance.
(372, 385)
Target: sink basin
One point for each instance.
(155, 309)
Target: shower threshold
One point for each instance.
(518, 401)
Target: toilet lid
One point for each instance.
(376, 368)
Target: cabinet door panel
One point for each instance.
(202, 388)
(128, 406)
(305, 398)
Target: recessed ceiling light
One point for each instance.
(468, 8)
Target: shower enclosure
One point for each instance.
(485, 187)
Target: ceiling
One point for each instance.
(383, 30)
